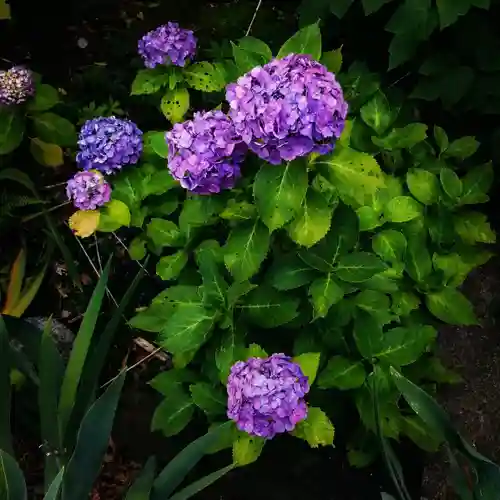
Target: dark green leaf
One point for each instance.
(390, 245)
(324, 292)
(450, 10)
(198, 211)
(367, 334)
(55, 129)
(46, 97)
(256, 46)
(342, 373)
(5, 390)
(55, 486)
(149, 81)
(154, 318)
(11, 129)
(246, 59)
(289, 272)
(142, 486)
(12, 485)
(450, 306)
(332, 60)
(340, 7)
(418, 259)
(305, 41)
(164, 233)
(170, 266)
(208, 258)
(231, 349)
(173, 413)
(209, 398)
(358, 267)
(371, 6)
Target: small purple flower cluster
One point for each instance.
(266, 395)
(88, 190)
(16, 85)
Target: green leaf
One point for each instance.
(171, 381)
(205, 77)
(114, 215)
(230, 350)
(269, 308)
(55, 486)
(358, 267)
(143, 484)
(402, 209)
(246, 59)
(255, 351)
(149, 81)
(476, 184)
(187, 329)
(55, 129)
(155, 141)
(450, 306)
(390, 245)
(209, 398)
(377, 113)
(340, 7)
(289, 272)
(174, 104)
(246, 249)
(450, 10)
(5, 390)
(12, 485)
(154, 318)
(173, 413)
(316, 429)
(237, 290)
(462, 148)
(305, 41)
(256, 46)
(309, 364)
(452, 185)
(423, 185)
(473, 227)
(208, 257)
(372, 6)
(247, 449)
(46, 97)
(402, 138)
(279, 191)
(92, 441)
(238, 211)
(419, 433)
(12, 127)
(332, 60)
(313, 220)
(369, 218)
(137, 248)
(368, 334)
(170, 266)
(198, 211)
(403, 303)
(164, 233)
(48, 155)
(403, 346)
(342, 373)
(441, 139)
(418, 260)
(324, 292)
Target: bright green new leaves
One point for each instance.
(462, 148)
(423, 185)
(48, 155)
(402, 138)
(113, 215)
(316, 429)
(342, 373)
(164, 233)
(54, 129)
(170, 266)
(390, 245)
(279, 191)
(174, 104)
(209, 398)
(246, 249)
(309, 364)
(247, 449)
(450, 306)
(312, 221)
(204, 76)
(476, 184)
(269, 308)
(324, 292)
(357, 267)
(11, 129)
(377, 113)
(305, 41)
(473, 227)
(289, 272)
(452, 185)
(173, 413)
(402, 209)
(149, 81)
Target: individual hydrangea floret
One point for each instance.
(266, 395)
(288, 108)
(88, 190)
(16, 85)
(108, 143)
(167, 44)
(204, 153)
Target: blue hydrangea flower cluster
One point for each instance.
(204, 153)
(108, 143)
(167, 44)
(16, 85)
(288, 108)
(88, 190)
(266, 395)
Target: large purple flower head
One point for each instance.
(167, 44)
(108, 143)
(16, 85)
(266, 395)
(288, 108)
(88, 190)
(204, 153)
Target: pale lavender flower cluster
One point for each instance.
(108, 143)
(88, 190)
(204, 153)
(288, 108)
(167, 44)
(16, 85)
(266, 395)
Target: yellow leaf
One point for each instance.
(48, 155)
(84, 222)
(4, 10)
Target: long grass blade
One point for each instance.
(141, 488)
(15, 282)
(55, 487)
(175, 472)
(202, 483)
(5, 390)
(79, 353)
(12, 485)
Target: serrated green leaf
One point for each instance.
(324, 292)
(473, 227)
(230, 350)
(402, 209)
(377, 113)
(316, 429)
(171, 381)
(246, 249)
(198, 211)
(289, 272)
(309, 364)
(450, 306)
(12, 127)
(175, 104)
(247, 59)
(462, 148)
(154, 318)
(305, 41)
(156, 143)
(403, 303)
(113, 215)
(376, 303)
(342, 373)
(164, 233)
(149, 81)
(209, 398)
(204, 76)
(279, 191)
(256, 46)
(476, 184)
(208, 258)
(390, 245)
(368, 334)
(247, 449)
(454, 268)
(255, 351)
(358, 267)
(170, 266)
(423, 185)
(402, 138)
(173, 413)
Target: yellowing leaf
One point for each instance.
(48, 155)
(4, 10)
(84, 222)
(316, 429)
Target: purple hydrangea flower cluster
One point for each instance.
(167, 44)
(288, 108)
(16, 85)
(266, 395)
(204, 153)
(88, 190)
(108, 143)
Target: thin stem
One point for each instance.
(51, 209)
(98, 253)
(125, 247)
(253, 18)
(55, 185)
